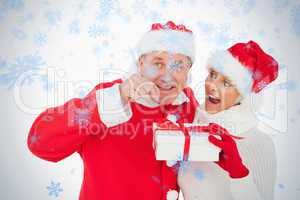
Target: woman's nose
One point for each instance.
(212, 86)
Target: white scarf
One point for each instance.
(237, 119)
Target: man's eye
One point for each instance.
(227, 84)
(176, 65)
(159, 65)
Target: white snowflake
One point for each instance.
(10, 5)
(19, 34)
(82, 91)
(163, 3)
(74, 27)
(97, 30)
(279, 5)
(239, 7)
(11, 71)
(81, 116)
(33, 139)
(205, 27)
(13, 4)
(40, 39)
(220, 35)
(199, 174)
(172, 118)
(53, 17)
(289, 85)
(296, 20)
(54, 189)
(105, 9)
(139, 6)
(154, 16)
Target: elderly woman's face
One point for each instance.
(167, 71)
(220, 93)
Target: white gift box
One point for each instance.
(169, 145)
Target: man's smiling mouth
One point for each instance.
(165, 87)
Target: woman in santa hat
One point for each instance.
(234, 75)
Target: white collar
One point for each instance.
(237, 120)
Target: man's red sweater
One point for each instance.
(119, 161)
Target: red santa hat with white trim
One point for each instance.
(247, 65)
(168, 37)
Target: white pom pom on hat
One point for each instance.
(172, 195)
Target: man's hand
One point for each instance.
(139, 89)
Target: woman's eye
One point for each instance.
(213, 75)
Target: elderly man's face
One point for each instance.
(168, 71)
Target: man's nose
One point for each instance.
(165, 75)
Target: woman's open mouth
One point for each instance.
(213, 99)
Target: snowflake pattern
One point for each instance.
(33, 139)
(54, 189)
(218, 35)
(105, 9)
(13, 4)
(205, 27)
(279, 5)
(12, 71)
(97, 30)
(296, 20)
(139, 6)
(82, 91)
(81, 116)
(10, 5)
(53, 17)
(19, 34)
(172, 118)
(240, 7)
(40, 39)
(289, 85)
(198, 174)
(25, 19)
(74, 27)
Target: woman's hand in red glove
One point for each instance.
(229, 159)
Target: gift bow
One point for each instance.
(211, 129)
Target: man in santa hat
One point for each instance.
(234, 75)
(111, 127)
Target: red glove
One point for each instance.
(230, 159)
